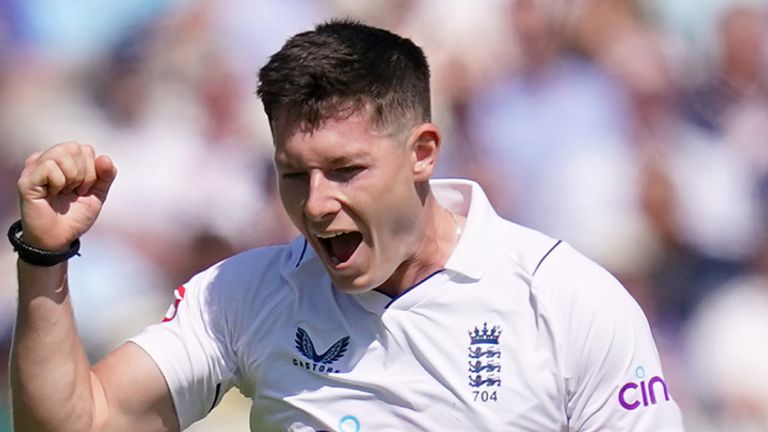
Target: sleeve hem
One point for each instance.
(162, 364)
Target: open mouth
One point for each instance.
(341, 245)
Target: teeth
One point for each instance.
(330, 234)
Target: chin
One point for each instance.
(357, 285)
(354, 290)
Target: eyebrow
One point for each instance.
(348, 159)
(343, 160)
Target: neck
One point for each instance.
(440, 234)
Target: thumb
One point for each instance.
(106, 171)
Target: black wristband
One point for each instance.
(35, 256)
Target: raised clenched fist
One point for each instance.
(61, 192)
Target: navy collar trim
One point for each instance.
(394, 299)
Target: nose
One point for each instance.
(321, 198)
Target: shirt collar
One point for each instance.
(476, 244)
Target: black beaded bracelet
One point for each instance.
(35, 256)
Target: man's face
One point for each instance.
(350, 190)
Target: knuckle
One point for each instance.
(65, 148)
(49, 164)
(57, 181)
(32, 158)
(70, 145)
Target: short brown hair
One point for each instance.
(344, 66)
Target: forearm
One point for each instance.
(51, 380)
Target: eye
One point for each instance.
(347, 172)
(293, 175)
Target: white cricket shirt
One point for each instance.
(519, 332)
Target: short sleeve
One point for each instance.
(190, 348)
(610, 363)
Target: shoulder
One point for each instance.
(524, 247)
(254, 264)
(560, 278)
(250, 277)
(569, 269)
(554, 264)
(244, 267)
(586, 307)
(578, 291)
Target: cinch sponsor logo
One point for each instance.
(632, 395)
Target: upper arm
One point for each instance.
(614, 366)
(175, 372)
(610, 362)
(191, 351)
(131, 394)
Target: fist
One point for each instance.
(61, 192)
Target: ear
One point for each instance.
(425, 146)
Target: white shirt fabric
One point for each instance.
(519, 332)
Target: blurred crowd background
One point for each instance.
(635, 130)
